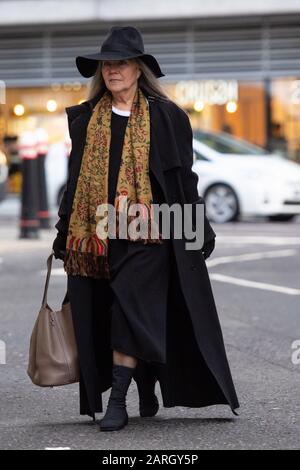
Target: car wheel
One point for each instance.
(221, 204)
(281, 218)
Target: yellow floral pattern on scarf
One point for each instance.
(86, 253)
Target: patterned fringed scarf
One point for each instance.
(86, 252)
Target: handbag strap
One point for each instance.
(49, 267)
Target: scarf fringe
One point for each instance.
(86, 264)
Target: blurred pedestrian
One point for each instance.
(278, 143)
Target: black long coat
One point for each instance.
(197, 372)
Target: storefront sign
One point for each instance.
(219, 92)
(2, 92)
(295, 92)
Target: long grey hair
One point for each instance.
(147, 81)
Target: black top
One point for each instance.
(118, 127)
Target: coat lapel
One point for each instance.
(155, 162)
(164, 135)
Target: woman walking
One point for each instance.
(142, 306)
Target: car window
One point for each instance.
(227, 144)
(199, 156)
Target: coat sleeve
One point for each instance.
(184, 135)
(62, 224)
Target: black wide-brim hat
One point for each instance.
(123, 42)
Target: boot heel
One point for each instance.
(145, 378)
(148, 410)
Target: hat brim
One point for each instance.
(87, 65)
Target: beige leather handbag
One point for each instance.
(53, 358)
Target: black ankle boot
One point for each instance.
(145, 379)
(116, 416)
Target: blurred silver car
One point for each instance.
(237, 178)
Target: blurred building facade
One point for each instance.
(233, 65)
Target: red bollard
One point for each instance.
(29, 223)
(42, 150)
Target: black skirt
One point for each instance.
(126, 313)
(139, 281)
(134, 299)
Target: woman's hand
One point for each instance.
(59, 246)
(208, 248)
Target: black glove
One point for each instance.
(59, 246)
(208, 248)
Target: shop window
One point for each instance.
(285, 117)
